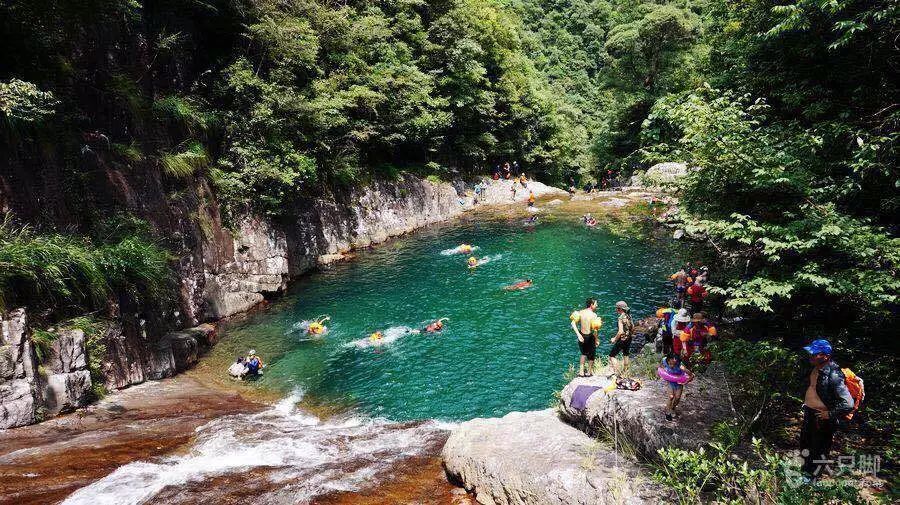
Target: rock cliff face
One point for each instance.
(260, 258)
(32, 389)
(19, 385)
(534, 458)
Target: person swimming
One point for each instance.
(376, 336)
(435, 326)
(527, 283)
(588, 220)
(464, 249)
(533, 219)
(472, 262)
(317, 326)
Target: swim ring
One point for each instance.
(665, 375)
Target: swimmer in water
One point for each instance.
(588, 220)
(464, 249)
(527, 283)
(317, 326)
(376, 337)
(531, 219)
(472, 262)
(435, 326)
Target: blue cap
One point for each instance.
(820, 346)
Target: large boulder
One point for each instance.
(65, 392)
(534, 458)
(66, 353)
(664, 173)
(18, 400)
(639, 416)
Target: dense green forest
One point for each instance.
(786, 111)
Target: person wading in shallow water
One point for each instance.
(825, 406)
(586, 325)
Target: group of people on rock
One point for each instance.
(682, 327)
(833, 394)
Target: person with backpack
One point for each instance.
(826, 407)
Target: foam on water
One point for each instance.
(456, 250)
(304, 456)
(391, 335)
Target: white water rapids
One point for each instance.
(300, 455)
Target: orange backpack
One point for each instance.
(857, 390)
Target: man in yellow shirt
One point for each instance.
(586, 325)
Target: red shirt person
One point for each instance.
(695, 337)
(696, 294)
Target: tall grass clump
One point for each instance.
(185, 163)
(74, 272)
(182, 110)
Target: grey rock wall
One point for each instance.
(19, 387)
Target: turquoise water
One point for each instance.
(500, 351)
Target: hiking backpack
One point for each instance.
(857, 390)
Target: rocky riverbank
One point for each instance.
(587, 454)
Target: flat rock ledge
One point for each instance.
(639, 416)
(535, 458)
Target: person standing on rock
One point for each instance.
(673, 366)
(825, 405)
(622, 339)
(696, 294)
(586, 325)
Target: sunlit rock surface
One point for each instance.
(535, 458)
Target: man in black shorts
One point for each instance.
(586, 324)
(622, 339)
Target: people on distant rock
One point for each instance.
(523, 180)
(825, 407)
(674, 368)
(237, 369)
(696, 336)
(696, 294)
(472, 262)
(317, 326)
(681, 320)
(531, 199)
(507, 173)
(586, 324)
(512, 189)
(254, 364)
(527, 283)
(665, 316)
(532, 219)
(436, 326)
(621, 341)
